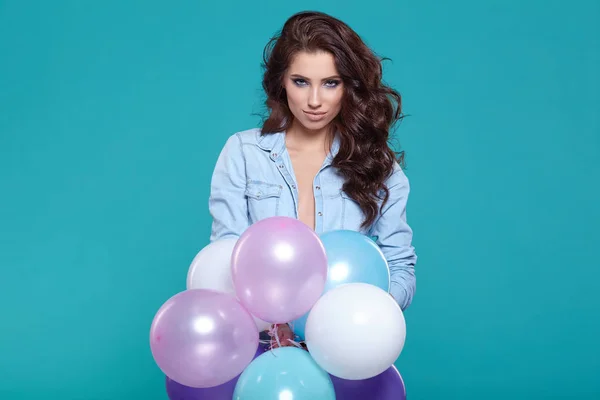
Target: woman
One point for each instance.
(322, 155)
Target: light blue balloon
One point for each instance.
(299, 325)
(354, 258)
(285, 373)
(351, 258)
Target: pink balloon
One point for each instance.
(279, 269)
(202, 338)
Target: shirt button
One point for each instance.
(318, 187)
(281, 166)
(320, 214)
(274, 154)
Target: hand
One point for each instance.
(284, 334)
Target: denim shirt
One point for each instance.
(253, 179)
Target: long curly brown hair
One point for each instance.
(369, 107)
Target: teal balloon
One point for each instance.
(351, 258)
(284, 373)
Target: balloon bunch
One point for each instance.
(332, 290)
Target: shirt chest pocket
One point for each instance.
(263, 200)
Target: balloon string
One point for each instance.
(273, 333)
(297, 344)
(273, 329)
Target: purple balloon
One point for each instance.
(203, 338)
(177, 391)
(279, 269)
(386, 386)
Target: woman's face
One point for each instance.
(314, 89)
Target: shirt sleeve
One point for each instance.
(227, 202)
(394, 237)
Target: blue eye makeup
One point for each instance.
(299, 82)
(331, 83)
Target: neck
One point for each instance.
(301, 139)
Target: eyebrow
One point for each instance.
(307, 79)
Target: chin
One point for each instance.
(315, 126)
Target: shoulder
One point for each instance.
(234, 143)
(248, 136)
(253, 140)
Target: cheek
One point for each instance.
(336, 99)
(293, 97)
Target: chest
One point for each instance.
(306, 166)
(299, 186)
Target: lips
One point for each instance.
(315, 116)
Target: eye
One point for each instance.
(332, 83)
(299, 82)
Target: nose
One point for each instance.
(314, 98)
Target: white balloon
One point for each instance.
(211, 269)
(355, 331)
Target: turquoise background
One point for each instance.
(112, 115)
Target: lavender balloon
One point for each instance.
(202, 338)
(386, 386)
(279, 269)
(177, 391)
